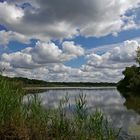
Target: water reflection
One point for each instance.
(132, 101)
(118, 109)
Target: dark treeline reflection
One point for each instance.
(132, 101)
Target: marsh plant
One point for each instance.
(31, 121)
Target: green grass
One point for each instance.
(20, 121)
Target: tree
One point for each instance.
(138, 55)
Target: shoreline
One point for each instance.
(67, 88)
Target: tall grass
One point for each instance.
(19, 121)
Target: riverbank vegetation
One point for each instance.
(31, 121)
(131, 81)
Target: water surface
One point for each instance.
(109, 101)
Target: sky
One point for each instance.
(68, 40)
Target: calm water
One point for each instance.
(108, 101)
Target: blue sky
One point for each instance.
(58, 41)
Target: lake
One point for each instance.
(108, 100)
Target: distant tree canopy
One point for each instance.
(131, 81)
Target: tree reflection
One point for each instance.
(132, 101)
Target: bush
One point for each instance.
(131, 81)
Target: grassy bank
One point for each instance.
(19, 121)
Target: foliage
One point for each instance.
(131, 81)
(30, 121)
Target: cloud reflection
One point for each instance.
(109, 101)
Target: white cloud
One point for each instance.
(44, 61)
(110, 65)
(71, 50)
(117, 55)
(127, 53)
(50, 53)
(46, 53)
(105, 67)
(42, 54)
(18, 59)
(4, 65)
(7, 36)
(9, 13)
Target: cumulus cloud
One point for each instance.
(127, 53)
(9, 13)
(42, 54)
(18, 59)
(46, 53)
(122, 54)
(110, 64)
(44, 61)
(40, 63)
(55, 19)
(49, 72)
(71, 50)
(7, 36)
